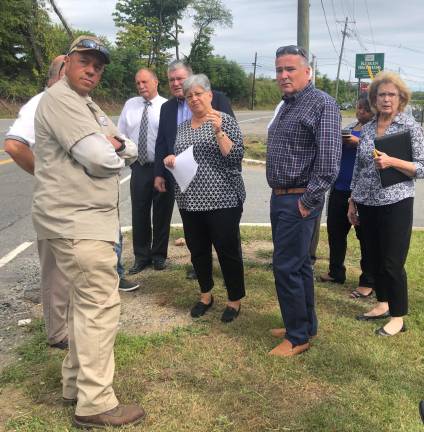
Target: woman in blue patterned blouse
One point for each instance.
(385, 213)
(212, 204)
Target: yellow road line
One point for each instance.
(7, 161)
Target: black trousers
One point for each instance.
(149, 244)
(338, 227)
(386, 234)
(220, 228)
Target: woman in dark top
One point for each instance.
(212, 204)
(338, 225)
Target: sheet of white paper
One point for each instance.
(185, 168)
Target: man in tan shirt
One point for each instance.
(78, 155)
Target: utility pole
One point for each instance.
(344, 32)
(253, 82)
(303, 24)
(314, 68)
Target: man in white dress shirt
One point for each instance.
(19, 144)
(139, 121)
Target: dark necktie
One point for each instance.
(142, 135)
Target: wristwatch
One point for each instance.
(220, 134)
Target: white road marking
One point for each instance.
(125, 179)
(13, 254)
(254, 119)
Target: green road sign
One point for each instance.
(366, 63)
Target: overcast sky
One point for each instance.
(392, 27)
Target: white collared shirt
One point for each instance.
(23, 127)
(130, 119)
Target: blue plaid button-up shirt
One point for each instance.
(304, 145)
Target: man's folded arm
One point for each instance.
(98, 156)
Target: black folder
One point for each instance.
(397, 145)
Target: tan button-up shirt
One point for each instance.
(68, 201)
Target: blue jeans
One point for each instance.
(118, 250)
(292, 235)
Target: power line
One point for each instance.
(369, 22)
(335, 19)
(328, 28)
(355, 33)
(400, 46)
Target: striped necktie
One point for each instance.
(142, 135)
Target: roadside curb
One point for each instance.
(253, 162)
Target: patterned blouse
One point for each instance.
(218, 182)
(366, 185)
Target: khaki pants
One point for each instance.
(88, 368)
(55, 295)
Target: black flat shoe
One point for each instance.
(159, 263)
(381, 332)
(327, 278)
(421, 408)
(199, 309)
(139, 266)
(364, 317)
(230, 314)
(62, 345)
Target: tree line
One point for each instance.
(148, 35)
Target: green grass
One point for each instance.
(208, 376)
(254, 147)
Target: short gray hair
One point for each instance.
(200, 80)
(54, 69)
(178, 64)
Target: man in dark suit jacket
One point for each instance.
(173, 112)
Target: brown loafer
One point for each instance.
(281, 332)
(119, 416)
(287, 349)
(278, 332)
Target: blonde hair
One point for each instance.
(386, 77)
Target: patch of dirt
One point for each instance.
(142, 313)
(13, 405)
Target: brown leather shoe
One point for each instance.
(119, 416)
(278, 332)
(287, 349)
(281, 332)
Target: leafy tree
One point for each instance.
(228, 77)
(208, 14)
(25, 40)
(155, 22)
(118, 78)
(267, 93)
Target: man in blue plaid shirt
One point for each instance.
(303, 158)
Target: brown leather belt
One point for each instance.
(287, 191)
